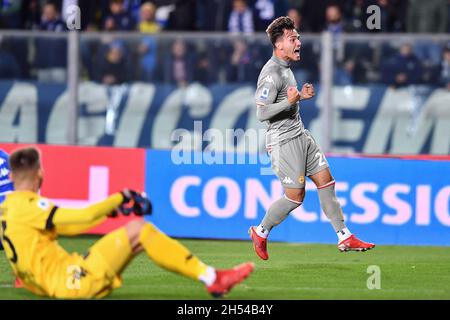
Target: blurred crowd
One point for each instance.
(238, 58)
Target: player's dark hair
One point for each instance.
(25, 159)
(276, 29)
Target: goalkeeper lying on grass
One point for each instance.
(31, 224)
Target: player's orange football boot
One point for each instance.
(352, 243)
(227, 279)
(259, 244)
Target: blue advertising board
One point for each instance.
(384, 200)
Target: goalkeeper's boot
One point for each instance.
(227, 279)
(259, 244)
(352, 243)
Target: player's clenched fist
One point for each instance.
(293, 95)
(307, 91)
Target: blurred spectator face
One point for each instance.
(406, 50)
(109, 24)
(295, 16)
(333, 14)
(115, 54)
(240, 46)
(179, 49)
(116, 6)
(49, 12)
(148, 12)
(382, 3)
(239, 6)
(447, 55)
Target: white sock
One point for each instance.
(343, 234)
(208, 277)
(262, 232)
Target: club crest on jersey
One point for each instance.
(44, 204)
(264, 94)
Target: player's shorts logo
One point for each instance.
(301, 179)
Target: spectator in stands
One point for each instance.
(445, 68)
(295, 15)
(147, 21)
(178, 66)
(31, 14)
(241, 18)
(183, 17)
(334, 21)
(118, 19)
(427, 16)
(51, 54)
(147, 47)
(113, 66)
(267, 10)
(212, 15)
(10, 14)
(205, 68)
(314, 13)
(403, 69)
(336, 25)
(9, 68)
(393, 15)
(240, 67)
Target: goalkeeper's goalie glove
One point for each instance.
(135, 202)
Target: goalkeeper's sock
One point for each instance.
(173, 256)
(278, 211)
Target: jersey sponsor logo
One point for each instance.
(44, 204)
(288, 180)
(265, 93)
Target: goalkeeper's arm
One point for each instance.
(76, 229)
(74, 221)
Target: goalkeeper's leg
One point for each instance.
(173, 256)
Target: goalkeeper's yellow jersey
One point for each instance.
(29, 228)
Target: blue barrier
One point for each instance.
(387, 201)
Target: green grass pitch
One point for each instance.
(294, 271)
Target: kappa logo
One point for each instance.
(288, 180)
(269, 79)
